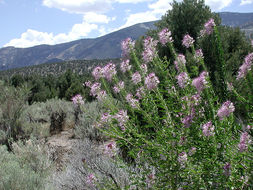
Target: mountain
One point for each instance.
(236, 19)
(104, 47)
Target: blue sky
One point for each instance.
(26, 23)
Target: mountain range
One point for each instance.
(104, 47)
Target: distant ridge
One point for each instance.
(105, 47)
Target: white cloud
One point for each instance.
(33, 37)
(79, 6)
(96, 18)
(246, 2)
(161, 6)
(132, 1)
(216, 5)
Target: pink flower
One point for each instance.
(119, 87)
(245, 67)
(144, 68)
(101, 95)
(106, 118)
(122, 118)
(110, 149)
(90, 179)
(124, 66)
(77, 99)
(244, 141)
(187, 120)
(136, 78)
(208, 129)
(227, 169)
(88, 84)
(209, 26)
(140, 92)
(95, 88)
(97, 73)
(180, 62)
(127, 46)
(200, 82)
(249, 127)
(198, 54)
(133, 102)
(226, 109)
(151, 81)
(165, 36)
(182, 79)
(149, 49)
(188, 41)
(192, 151)
(109, 71)
(182, 158)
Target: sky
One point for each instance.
(26, 23)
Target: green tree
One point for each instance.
(186, 17)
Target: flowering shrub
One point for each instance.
(176, 129)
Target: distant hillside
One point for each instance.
(236, 19)
(105, 47)
(77, 66)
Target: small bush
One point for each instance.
(27, 167)
(50, 117)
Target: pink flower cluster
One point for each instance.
(227, 169)
(136, 78)
(187, 120)
(144, 68)
(226, 109)
(165, 36)
(151, 81)
(90, 179)
(182, 158)
(188, 41)
(106, 118)
(88, 84)
(101, 95)
(95, 91)
(132, 101)
(126, 46)
(200, 82)
(125, 66)
(208, 27)
(180, 62)
(107, 71)
(244, 141)
(140, 93)
(149, 49)
(122, 118)
(183, 79)
(77, 99)
(119, 87)
(208, 129)
(198, 54)
(110, 149)
(97, 73)
(245, 67)
(192, 151)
